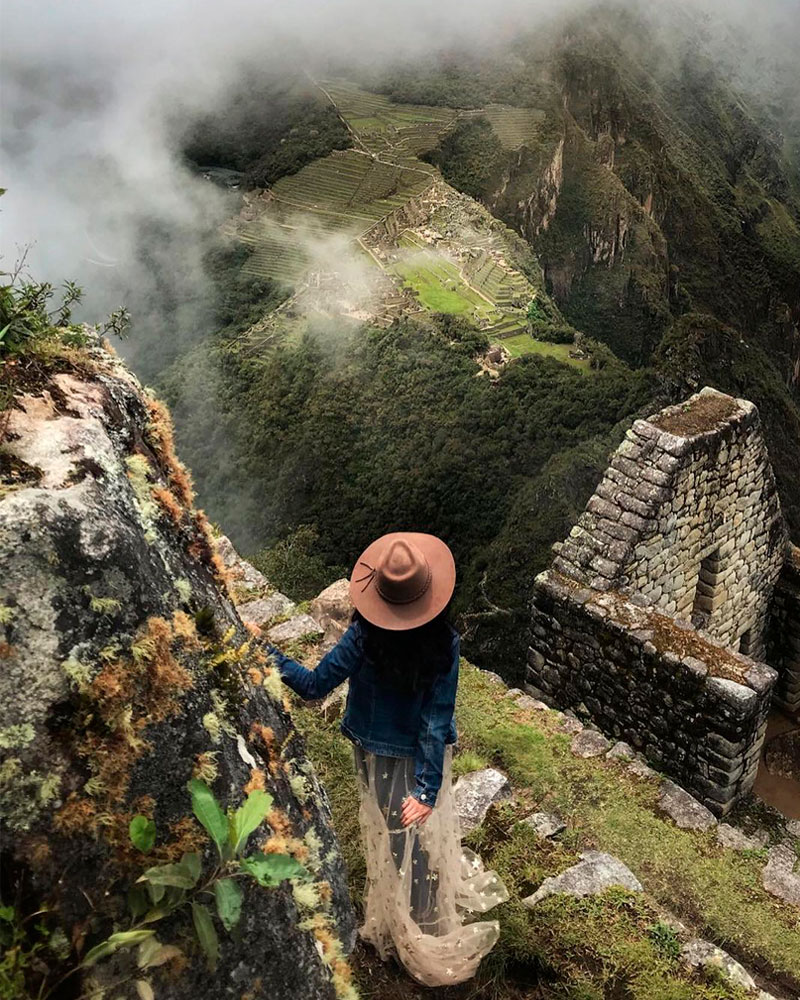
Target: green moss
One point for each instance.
(468, 761)
(184, 589)
(78, 674)
(24, 793)
(7, 614)
(16, 736)
(139, 477)
(611, 945)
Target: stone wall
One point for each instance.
(668, 577)
(783, 643)
(696, 709)
(688, 516)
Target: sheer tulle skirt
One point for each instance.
(425, 892)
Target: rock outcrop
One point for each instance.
(126, 672)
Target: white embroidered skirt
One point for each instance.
(425, 892)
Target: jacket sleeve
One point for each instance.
(437, 714)
(335, 667)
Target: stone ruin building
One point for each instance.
(670, 617)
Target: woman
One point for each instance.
(424, 891)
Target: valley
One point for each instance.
(414, 244)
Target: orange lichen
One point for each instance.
(280, 822)
(184, 627)
(255, 675)
(77, 815)
(253, 629)
(160, 432)
(257, 781)
(166, 499)
(6, 651)
(267, 736)
(286, 845)
(168, 678)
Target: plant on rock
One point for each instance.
(164, 890)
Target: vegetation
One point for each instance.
(613, 944)
(269, 128)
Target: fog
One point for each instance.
(92, 89)
(95, 93)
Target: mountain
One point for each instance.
(449, 322)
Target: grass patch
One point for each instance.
(614, 945)
(523, 343)
(438, 285)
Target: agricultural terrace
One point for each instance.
(404, 130)
(276, 252)
(347, 191)
(506, 288)
(514, 127)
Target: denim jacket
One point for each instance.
(381, 720)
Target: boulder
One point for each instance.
(240, 571)
(684, 809)
(525, 701)
(569, 725)
(265, 609)
(126, 672)
(699, 954)
(595, 872)
(779, 877)
(475, 792)
(545, 824)
(492, 677)
(333, 605)
(621, 751)
(294, 628)
(589, 743)
(640, 769)
(738, 840)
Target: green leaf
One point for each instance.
(152, 952)
(122, 939)
(209, 813)
(7, 913)
(270, 870)
(206, 934)
(229, 902)
(193, 863)
(142, 832)
(137, 901)
(180, 875)
(249, 816)
(155, 892)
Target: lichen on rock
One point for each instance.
(127, 672)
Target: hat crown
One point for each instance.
(404, 574)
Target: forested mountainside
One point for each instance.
(604, 168)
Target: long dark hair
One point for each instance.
(409, 660)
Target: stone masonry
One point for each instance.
(783, 638)
(657, 613)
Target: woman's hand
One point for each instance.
(414, 811)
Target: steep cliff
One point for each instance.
(126, 673)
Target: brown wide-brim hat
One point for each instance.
(403, 580)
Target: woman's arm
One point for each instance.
(437, 714)
(331, 670)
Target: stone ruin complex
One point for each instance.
(670, 616)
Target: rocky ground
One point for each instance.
(762, 837)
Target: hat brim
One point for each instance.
(398, 617)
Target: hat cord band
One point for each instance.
(407, 600)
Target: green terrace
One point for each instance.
(383, 126)
(514, 127)
(347, 190)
